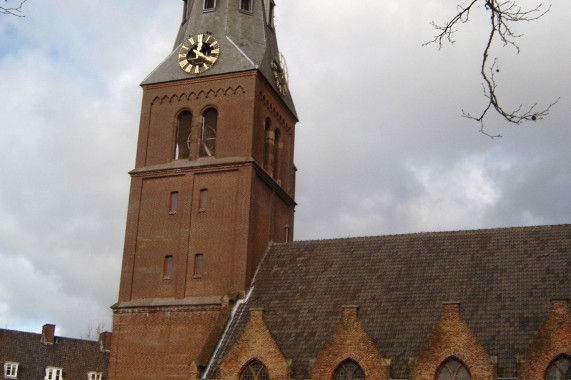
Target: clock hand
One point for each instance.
(199, 54)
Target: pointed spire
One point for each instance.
(246, 40)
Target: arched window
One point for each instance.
(349, 370)
(269, 147)
(452, 369)
(255, 371)
(182, 148)
(277, 151)
(208, 138)
(560, 369)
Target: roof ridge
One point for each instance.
(56, 336)
(425, 233)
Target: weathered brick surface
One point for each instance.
(247, 208)
(351, 341)
(453, 338)
(255, 343)
(553, 340)
(158, 343)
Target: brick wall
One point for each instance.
(255, 343)
(553, 340)
(452, 338)
(351, 341)
(158, 343)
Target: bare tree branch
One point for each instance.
(503, 13)
(13, 11)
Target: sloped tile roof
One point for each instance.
(75, 356)
(504, 279)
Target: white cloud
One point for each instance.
(381, 147)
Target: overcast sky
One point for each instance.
(381, 147)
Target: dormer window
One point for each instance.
(54, 373)
(185, 11)
(93, 375)
(11, 370)
(246, 6)
(269, 5)
(209, 5)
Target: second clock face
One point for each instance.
(198, 53)
(279, 69)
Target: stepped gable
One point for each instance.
(503, 279)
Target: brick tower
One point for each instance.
(213, 184)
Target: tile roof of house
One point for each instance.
(504, 279)
(76, 356)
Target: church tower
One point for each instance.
(213, 185)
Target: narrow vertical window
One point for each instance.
(269, 5)
(182, 144)
(269, 148)
(208, 138)
(209, 5)
(203, 200)
(286, 232)
(185, 11)
(246, 6)
(167, 268)
(173, 202)
(198, 265)
(277, 151)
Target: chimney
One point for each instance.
(451, 309)
(48, 333)
(257, 314)
(560, 305)
(350, 313)
(105, 341)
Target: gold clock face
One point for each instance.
(279, 69)
(198, 53)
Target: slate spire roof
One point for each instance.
(503, 278)
(247, 42)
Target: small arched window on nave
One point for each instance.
(209, 128)
(255, 371)
(559, 369)
(182, 143)
(452, 369)
(349, 370)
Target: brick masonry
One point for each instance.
(453, 338)
(351, 341)
(158, 343)
(256, 343)
(160, 326)
(552, 341)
